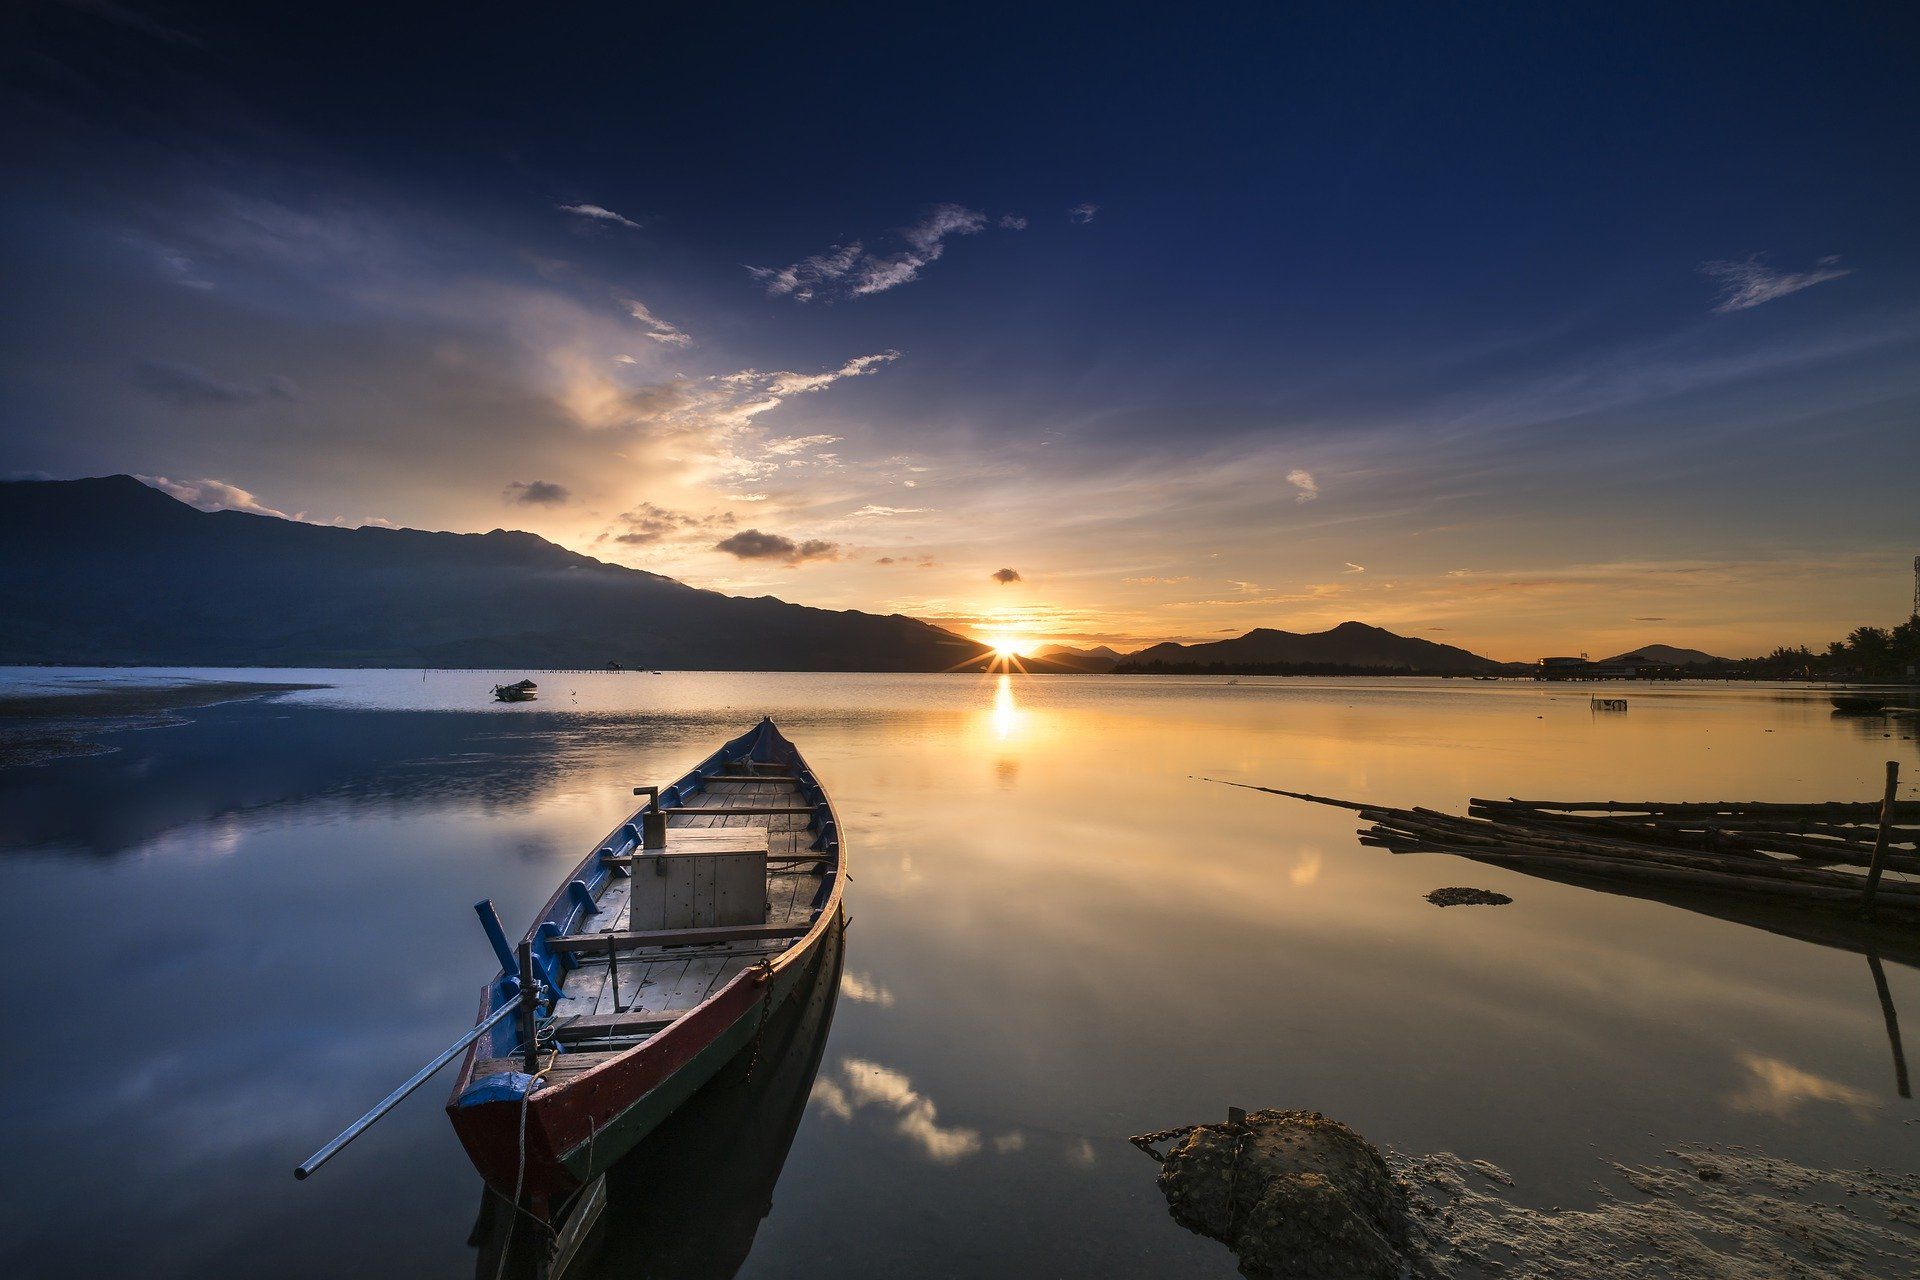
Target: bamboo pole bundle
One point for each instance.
(1754, 839)
(1808, 854)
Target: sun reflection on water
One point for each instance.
(1006, 714)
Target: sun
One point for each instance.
(1010, 646)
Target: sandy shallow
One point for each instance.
(38, 727)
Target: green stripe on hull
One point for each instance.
(591, 1159)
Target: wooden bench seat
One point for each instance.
(630, 940)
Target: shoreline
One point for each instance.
(39, 727)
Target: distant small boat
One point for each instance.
(1859, 703)
(519, 691)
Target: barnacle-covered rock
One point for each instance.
(1297, 1196)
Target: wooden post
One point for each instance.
(1888, 1012)
(529, 997)
(1879, 861)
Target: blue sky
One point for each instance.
(1515, 328)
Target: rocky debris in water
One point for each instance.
(1300, 1197)
(1732, 1214)
(1467, 898)
(1295, 1195)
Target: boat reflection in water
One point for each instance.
(687, 1202)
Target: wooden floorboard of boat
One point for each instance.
(669, 981)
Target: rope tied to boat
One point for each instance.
(520, 1172)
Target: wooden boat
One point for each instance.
(689, 1199)
(670, 946)
(1859, 703)
(519, 691)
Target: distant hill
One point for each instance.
(1665, 655)
(1099, 658)
(1351, 644)
(111, 572)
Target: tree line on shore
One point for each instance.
(1881, 654)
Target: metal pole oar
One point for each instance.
(393, 1099)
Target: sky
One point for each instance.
(1512, 327)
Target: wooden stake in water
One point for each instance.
(1879, 860)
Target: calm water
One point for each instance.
(230, 936)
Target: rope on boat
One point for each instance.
(520, 1174)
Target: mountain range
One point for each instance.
(1665, 655)
(1351, 644)
(109, 571)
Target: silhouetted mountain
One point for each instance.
(1665, 655)
(109, 571)
(1101, 658)
(1351, 644)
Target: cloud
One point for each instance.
(1006, 576)
(212, 495)
(873, 511)
(187, 386)
(854, 271)
(862, 1085)
(1354, 568)
(1750, 282)
(1152, 580)
(1779, 1089)
(647, 524)
(1303, 480)
(752, 544)
(787, 446)
(862, 989)
(593, 214)
(657, 329)
(1083, 213)
(123, 16)
(536, 493)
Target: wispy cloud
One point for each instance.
(860, 1085)
(126, 17)
(657, 329)
(1006, 577)
(593, 214)
(188, 386)
(212, 495)
(752, 544)
(1083, 213)
(537, 493)
(1355, 568)
(1777, 1088)
(873, 511)
(1749, 282)
(854, 271)
(1307, 488)
(787, 446)
(863, 989)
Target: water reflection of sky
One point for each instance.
(244, 929)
